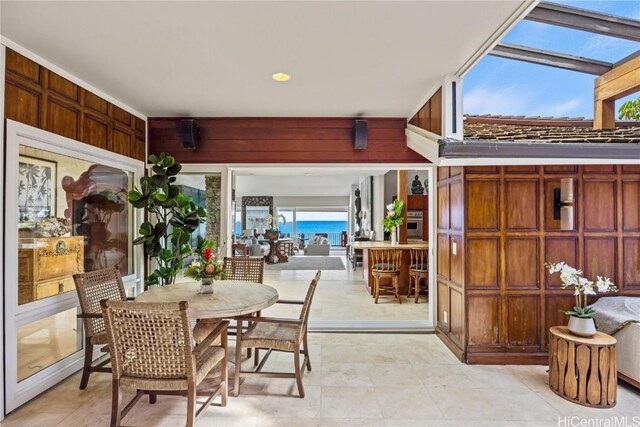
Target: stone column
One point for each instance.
(213, 186)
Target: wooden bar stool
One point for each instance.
(386, 264)
(418, 270)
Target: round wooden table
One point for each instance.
(230, 298)
(583, 370)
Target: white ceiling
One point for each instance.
(216, 58)
(296, 186)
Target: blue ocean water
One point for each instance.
(309, 228)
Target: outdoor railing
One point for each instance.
(333, 237)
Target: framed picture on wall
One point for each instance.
(36, 190)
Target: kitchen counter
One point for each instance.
(406, 260)
(389, 245)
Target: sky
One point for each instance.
(508, 87)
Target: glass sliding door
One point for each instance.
(66, 212)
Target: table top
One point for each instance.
(230, 298)
(388, 245)
(598, 339)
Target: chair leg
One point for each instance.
(306, 352)
(296, 360)
(86, 370)
(191, 405)
(236, 378)
(418, 279)
(224, 393)
(376, 287)
(153, 398)
(256, 358)
(410, 286)
(396, 287)
(115, 403)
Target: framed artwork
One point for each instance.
(36, 190)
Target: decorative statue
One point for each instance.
(358, 204)
(416, 186)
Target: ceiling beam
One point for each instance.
(585, 20)
(552, 59)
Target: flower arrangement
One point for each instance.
(572, 277)
(271, 222)
(394, 215)
(206, 264)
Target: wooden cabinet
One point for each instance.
(46, 266)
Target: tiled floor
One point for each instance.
(357, 380)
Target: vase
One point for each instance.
(206, 286)
(581, 326)
(271, 235)
(394, 236)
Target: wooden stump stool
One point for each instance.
(583, 370)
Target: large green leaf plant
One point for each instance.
(173, 218)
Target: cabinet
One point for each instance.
(46, 266)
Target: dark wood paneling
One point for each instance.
(429, 116)
(521, 169)
(482, 205)
(283, 140)
(22, 66)
(95, 132)
(96, 103)
(521, 200)
(41, 98)
(443, 256)
(559, 249)
(484, 321)
(481, 170)
(456, 196)
(631, 205)
(63, 119)
(631, 264)
(121, 142)
(63, 87)
(522, 264)
(600, 257)
(443, 306)
(630, 169)
(21, 104)
(599, 205)
(523, 321)
(599, 169)
(457, 267)
(456, 315)
(560, 169)
(556, 305)
(483, 263)
(443, 205)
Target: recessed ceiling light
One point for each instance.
(281, 77)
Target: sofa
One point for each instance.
(318, 246)
(628, 349)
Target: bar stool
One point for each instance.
(418, 270)
(386, 264)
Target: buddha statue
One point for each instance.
(416, 186)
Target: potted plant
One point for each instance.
(176, 217)
(271, 222)
(206, 266)
(581, 317)
(394, 219)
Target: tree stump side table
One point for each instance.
(583, 370)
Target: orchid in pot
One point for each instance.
(206, 266)
(581, 317)
(394, 219)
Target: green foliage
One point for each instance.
(394, 215)
(583, 313)
(630, 110)
(205, 263)
(176, 218)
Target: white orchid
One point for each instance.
(195, 264)
(572, 277)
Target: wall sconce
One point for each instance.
(563, 204)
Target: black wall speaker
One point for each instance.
(361, 135)
(189, 129)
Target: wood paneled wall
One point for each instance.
(429, 117)
(283, 140)
(450, 279)
(41, 98)
(509, 233)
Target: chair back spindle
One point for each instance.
(420, 259)
(386, 259)
(245, 269)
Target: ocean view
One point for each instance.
(309, 228)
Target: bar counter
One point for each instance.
(406, 260)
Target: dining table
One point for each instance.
(230, 298)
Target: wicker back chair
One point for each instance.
(152, 352)
(246, 269)
(418, 270)
(276, 334)
(386, 263)
(92, 287)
